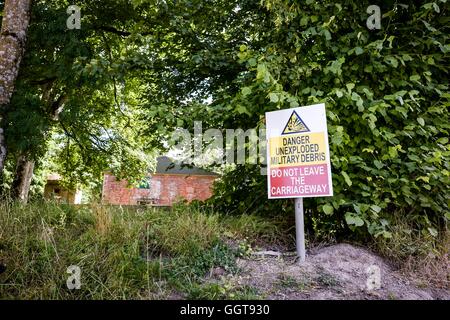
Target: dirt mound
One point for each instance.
(340, 271)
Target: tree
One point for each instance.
(387, 105)
(123, 64)
(58, 67)
(16, 17)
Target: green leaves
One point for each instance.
(336, 66)
(436, 7)
(386, 98)
(273, 97)
(246, 91)
(378, 164)
(347, 179)
(387, 109)
(359, 50)
(252, 62)
(433, 232)
(375, 208)
(392, 61)
(359, 101)
(263, 73)
(353, 220)
(350, 87)
(304, 21)
(242, 110)
(328, 209)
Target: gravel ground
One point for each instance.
(336, 272)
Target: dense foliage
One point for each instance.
(387, 99)
(137, 70)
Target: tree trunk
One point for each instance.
(20, 187)
(16, 17)
(24, 169)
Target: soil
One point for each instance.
(336, 272)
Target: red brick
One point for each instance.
(171, 187)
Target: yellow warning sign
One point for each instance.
(295, 125)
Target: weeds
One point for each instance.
(289, 282)
(123, 253)
(257, 228)
(417, 252)
(326, 279)
(128, 253)
(222, 291)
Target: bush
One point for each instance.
(387, 106)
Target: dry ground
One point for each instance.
(334, 272)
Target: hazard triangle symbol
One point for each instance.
(295, 125)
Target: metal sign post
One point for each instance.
(300, 229)
(298, 160)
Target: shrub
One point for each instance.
(387, 106)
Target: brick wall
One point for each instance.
(165, 189)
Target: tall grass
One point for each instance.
(129, 253)
(417, 252)
(123, 253)
(258, 230)
(39, 242)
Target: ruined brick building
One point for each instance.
(169, 183)
(55, 191)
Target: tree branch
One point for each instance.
(120, 32)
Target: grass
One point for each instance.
(288, 282)
(326, 279)
(252, 227)
(417, 252)
(129, 253)
(39, 242)
(223, 291)
(123, 253)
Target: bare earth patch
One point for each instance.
(335, 272)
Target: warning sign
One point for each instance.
(295, 124)
(298, 153)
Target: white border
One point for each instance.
(300, 111)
